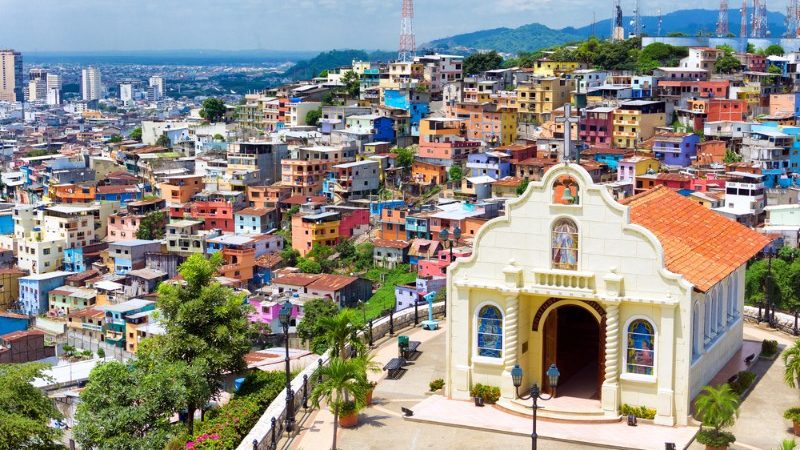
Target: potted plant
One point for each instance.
(717, 408)
(370, 390)
(348, 414)
(340, 378)
(436, 384)
(793, 414)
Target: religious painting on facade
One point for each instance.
(490, 332)
(565, 245)
(641, 348)
(565, 191)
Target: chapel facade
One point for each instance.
(637, 303)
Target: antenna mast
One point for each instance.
(722, 20)
(408, 45)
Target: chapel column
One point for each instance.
(610, 394)
(665, 354)
(513, 281)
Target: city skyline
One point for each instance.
(245, 24)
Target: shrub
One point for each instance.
(101, 353)
(346, 408)
(768, 347)
(436, 384)
(744, 380)
(642, 412)
(792, 414)
(489, 394)
(714, 438)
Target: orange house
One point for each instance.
(267, 196)
(304, 177)
(393, 224)
(72, 193)
(426, 173)
(315, 229)
(181, 188)
(710, 152)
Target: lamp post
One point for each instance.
(535, 393)
(284, 316)
(444, 236)
(770, 251)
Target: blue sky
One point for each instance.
(96, 25)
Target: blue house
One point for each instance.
(10, 322)
(416, 103)
(34, 291)
(7, 222)
(118, 193)
(492, 164)
(376, 208)
(794, 153)
(676, 149)
(608, 156)
(73, 260)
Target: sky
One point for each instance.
(120, 25)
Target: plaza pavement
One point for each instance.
(382, 427)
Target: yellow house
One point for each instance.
(547, 68)
(636, 121)
(9, 287)
(315, 229)
(538, 97)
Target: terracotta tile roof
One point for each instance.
(386, 243)
(296, 279)
(699, 244)
(21, 334)
(301, 199)
(269, 260)
(329, 282)
(254, 211)
(87, 312)
(117, 189)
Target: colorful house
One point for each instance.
(34, 291)
(675, 149)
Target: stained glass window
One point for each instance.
(565, 245)
(490, 332)
(641, 347)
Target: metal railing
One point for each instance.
(266, 433)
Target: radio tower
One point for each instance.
(408, 44)
(743, 25)
(792, 24)
(722, 20)
(636, 22)
(759, 26)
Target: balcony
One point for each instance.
(564, 279)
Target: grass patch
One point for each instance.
(383, 298)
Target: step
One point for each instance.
(575, 416)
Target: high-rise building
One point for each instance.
(37, 90)
(91, 85)
(126, 92)
(11, 84)
(53, 89)
(157, 82)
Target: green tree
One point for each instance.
(751, 48)
(323, 74)
(152, 226)
(731, 156)
(321, 254)
(289, 255)
(480, 62)
(339, 332)
(456, 173)
(213, 109)
(341, 379)
(717, 408)
(313, 116)
(207, 328)
(728, 64)
(219, 138)
(163, 141)
(364, 252)
(352, 84)
(346, 250)
(129, 406)
(774, 50)
(658, 55)
(523, 186)
(25, 412)
(791, 359)
(310, 329)
(115, 139)
(308, 265)
(405, 157)
(136, 134)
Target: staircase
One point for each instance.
(561, 409)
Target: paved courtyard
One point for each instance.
(382, 427)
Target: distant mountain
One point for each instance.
(311, 68)
(170, 57)
(536, 36)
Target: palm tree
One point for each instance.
(717, 407)
(340, 378)
(791, 358)
(341, 332)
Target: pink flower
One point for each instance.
(190, 444)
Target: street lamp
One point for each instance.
(285, 316)
(444, 236)
(535, 394)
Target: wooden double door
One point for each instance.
(574, 340)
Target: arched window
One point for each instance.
(565, 245)
(641, 347)
(733, 298)
(490, 332)
(566, 191)
(697, 337)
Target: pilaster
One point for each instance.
(610, 390)
(665, 352)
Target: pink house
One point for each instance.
(353, 222)
(711, 181)
(267, 312)
(438, 267)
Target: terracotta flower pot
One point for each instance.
(349, 421)
(708, 447)
(796, 428)
(369, 396)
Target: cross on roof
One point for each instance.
(568, 119)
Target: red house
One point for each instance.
(214, 214)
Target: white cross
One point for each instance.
(568, 119)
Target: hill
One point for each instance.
(536, 36)
(311, 68)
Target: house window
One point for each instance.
(490, 332)
(565, 245)
(640, 354)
